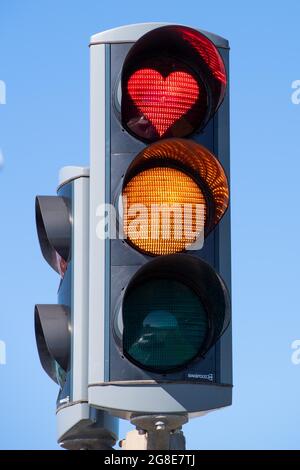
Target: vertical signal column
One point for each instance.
(162, 308)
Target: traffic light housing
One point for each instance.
(159, 299)
(62, 329)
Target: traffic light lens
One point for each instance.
(163, 100)
(165, 211)
(173, 81)
(174, 193)
(174, 310)
(165, 324)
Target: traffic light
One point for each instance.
(62, 329)
(160, 269)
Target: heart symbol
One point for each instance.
(163, 100)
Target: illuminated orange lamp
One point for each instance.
(174, 192)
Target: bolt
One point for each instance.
(160, 426)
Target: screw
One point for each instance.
(160, 426)
(122, 443)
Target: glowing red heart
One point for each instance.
(163, 100)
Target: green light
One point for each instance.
(165, 324)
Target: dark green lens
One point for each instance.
(165, 324)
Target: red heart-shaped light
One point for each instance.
(163, 100)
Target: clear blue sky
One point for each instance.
(44, 60)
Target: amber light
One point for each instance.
(163, 100)
(155, 202)
(172, 173)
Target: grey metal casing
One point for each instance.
(115, 383)
(75, 418)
